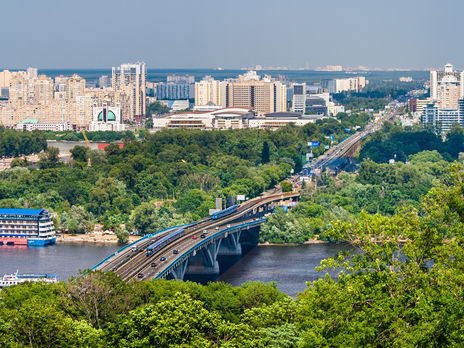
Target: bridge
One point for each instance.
(196, 251)
(345, 149)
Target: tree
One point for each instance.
(122, 234)
(76, 220)
(99, 296)
(80, 153)
(285, 228)
(19, 162)
(49, 158)
(265, 155)
(397, 291)
(149, 122)
(286, 186)
(156, 108)
(144, 218)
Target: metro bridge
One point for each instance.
(193, 249)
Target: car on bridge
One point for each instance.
(162, 258)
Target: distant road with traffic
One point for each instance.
(342, 148)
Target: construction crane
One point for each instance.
(86, 141)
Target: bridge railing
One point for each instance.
(205, 241)
(138, 241)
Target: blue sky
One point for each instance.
(231, 34)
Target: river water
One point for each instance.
(290, 266)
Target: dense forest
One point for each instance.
(404, 289)
(185, 169)
(14, 143)
(394, 142)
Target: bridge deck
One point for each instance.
(129, 264)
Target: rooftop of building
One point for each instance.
(231, 111)
(29, 121)
(293, 115)
(14, 211)
(283, 114)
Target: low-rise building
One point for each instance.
(226, 118)
(31, 124)
(277, 120)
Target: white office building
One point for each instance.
(106, 118)
(299, 98)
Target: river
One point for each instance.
(290, 266)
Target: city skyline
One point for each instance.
(208, 34)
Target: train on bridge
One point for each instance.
(194, 248)
(158, 245)
(225, 212)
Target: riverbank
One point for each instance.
(308, 242)
(112, 239)
(92, 238)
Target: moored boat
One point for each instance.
(15, 279)
(28, 227)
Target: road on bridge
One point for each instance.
(132, 262)
(342, 148)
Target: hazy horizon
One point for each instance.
(207, 34)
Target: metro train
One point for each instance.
(156, 246)
(224, 212)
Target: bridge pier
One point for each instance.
(205, 261)
(178, 272)
(230, 245)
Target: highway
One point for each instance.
(339, 150)
(133, 263)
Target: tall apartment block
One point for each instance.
(263, 95)
(446, 105)
(344, 85)
(131, 79)
(299, 98)
(43, 103)
(208, 92)
(446, 87)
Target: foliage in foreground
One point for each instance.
(404, 288)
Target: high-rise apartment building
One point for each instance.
(174, 91)
(39, 99)
(32, 73)
(446, 105)
(130, 79)
(75, 87)
(264, 96)
(446, 87)
(344, 85)
(61, 83)
(299, 98)
(104, 81)
(42, 92)
(208, 92)
(5, 79)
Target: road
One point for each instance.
(133, 262)
(339, 150)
